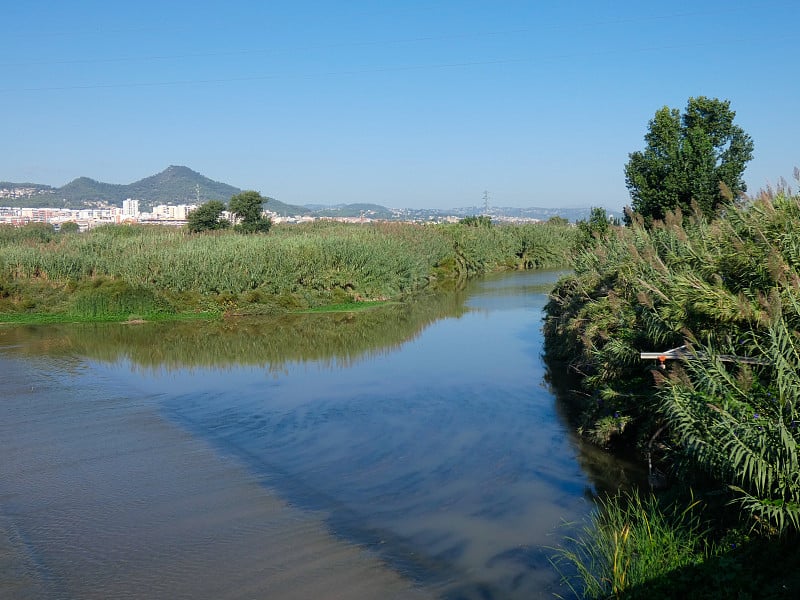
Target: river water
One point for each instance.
(414, 451)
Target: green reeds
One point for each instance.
(294, 266)
(731, 287)
(627, 543)
(741, 423)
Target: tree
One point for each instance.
(558, 221)
(595, 228)
(698, 157)
(476, 221)
(69, 227)
(248, 208)
(206, 217)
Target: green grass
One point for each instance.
(114, 271)
(637, 547)
(628, 542)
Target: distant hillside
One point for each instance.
(84, 190)
(6, 185)
(286, 210)
(180, 185)
(542, 214)
(33, 195)
(372, 211)
(174, 185)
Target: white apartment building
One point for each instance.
(172, 212)
(130, 208)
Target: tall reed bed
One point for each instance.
(728, 289)
(115, 268)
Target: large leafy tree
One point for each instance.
(697, 157)
(249, 210)
(206, 217)
(70, 227)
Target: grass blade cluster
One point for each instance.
(628, 542)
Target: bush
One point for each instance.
(115, 300)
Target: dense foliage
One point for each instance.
(644, 547)
(207, 217)
(728, 289)
(697, 157)
(115, 272)
(476, 221)
(248, 209)
(69, 227)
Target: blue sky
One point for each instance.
(404, 104)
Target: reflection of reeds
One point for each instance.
(118, 270)
(271, 342)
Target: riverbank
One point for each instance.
(719, 426)
(121, 273)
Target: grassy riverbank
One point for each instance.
(720, 427)
(117, 273)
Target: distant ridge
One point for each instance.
(182, 184)
(179, 185)
(84, 190)
(173, 185)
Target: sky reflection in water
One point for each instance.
(427, 433)
(446, 454)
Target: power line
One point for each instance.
(254, 51)
(466, 35)
(400, 68)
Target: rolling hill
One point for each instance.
(173, 185)
(182, 185)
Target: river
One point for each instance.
(413, 451)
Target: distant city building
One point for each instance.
(169, 212)
(176, 215)
(130, 208)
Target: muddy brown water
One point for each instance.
(410, 452)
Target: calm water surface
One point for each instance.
(413, 451)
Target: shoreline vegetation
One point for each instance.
(710, 277)
(132, 273)
(720, 428)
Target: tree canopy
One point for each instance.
(206, 217)
(477, 221)
(248, 208)
(697, 157)
(594, 229)
(69, 227)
